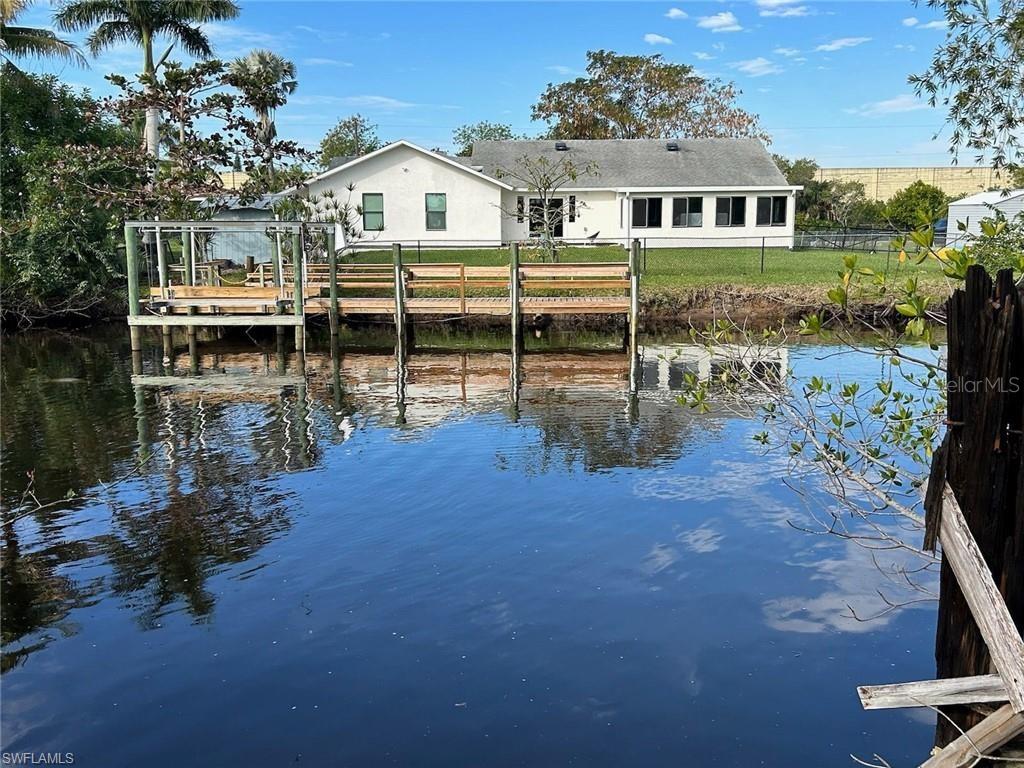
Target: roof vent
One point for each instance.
(672, 146)
(561, 146)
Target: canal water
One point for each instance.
(343, 570)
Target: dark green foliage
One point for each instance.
(59, 246)
(918, 204)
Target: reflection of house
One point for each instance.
(674, 193)
(665, 368)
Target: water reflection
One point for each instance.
(539, 535)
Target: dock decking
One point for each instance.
(327, 287)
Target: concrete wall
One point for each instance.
(883, 183)
(404, 176)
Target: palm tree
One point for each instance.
(141, 22)
(265, 80)
(23, 42)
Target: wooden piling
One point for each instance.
(332, 261)
(982, 460)
(400, 319)
(515, 298)
(634, 300)
(187, 264)
(299, 302)
(131, 254)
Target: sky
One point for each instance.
(828, 79)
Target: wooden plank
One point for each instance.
(218, 381)
(215, 320)
(573, 283)
(933, 693)
(221, 292)
(987, 736)
(986, 603)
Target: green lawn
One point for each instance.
(689, 267)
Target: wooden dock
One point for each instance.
(306, 279)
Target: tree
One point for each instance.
(59, 246)
(976, 76)
(25, 42)
(543, 178)
(465, 135)
(643, 97)
(265, 81)
(141, 22)
(799, 172)
(350, 137)
(917, 204)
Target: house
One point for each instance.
(675, 193)
(984, 205)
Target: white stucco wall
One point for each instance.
(609, 213)
(404, 176)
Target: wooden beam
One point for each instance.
(215, 320)
(933, 693)
(984, 738)
(986, 603)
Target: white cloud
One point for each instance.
(654, 39)
(782, 8)
(701, 56)
(788, 12)
(842, 42)
(786, 52)
(903, 103)
(910, 21)
(725, 21)
(937, 24)
(561, 69)
(904, 47)
(676, 13)
(758, 67)
(381, 103)
(319, 62)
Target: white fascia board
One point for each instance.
(410, 145)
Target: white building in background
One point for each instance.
(685, 193)
(971, 210)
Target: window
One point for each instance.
(687, 211)
(437, 210)
(520, 209)
(373, 211)
(646, 211)
(554, 216)
(730, 211)
(771, 211)
(572, 207)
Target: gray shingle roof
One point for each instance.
(646, 162)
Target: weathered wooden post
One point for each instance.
(634, 304)
(299, 302)
(131, 254)
(982, 460)
(161, 269)
(396, 254)
(514, 297)
(332, 262)
(189, 275)
(250, 264)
